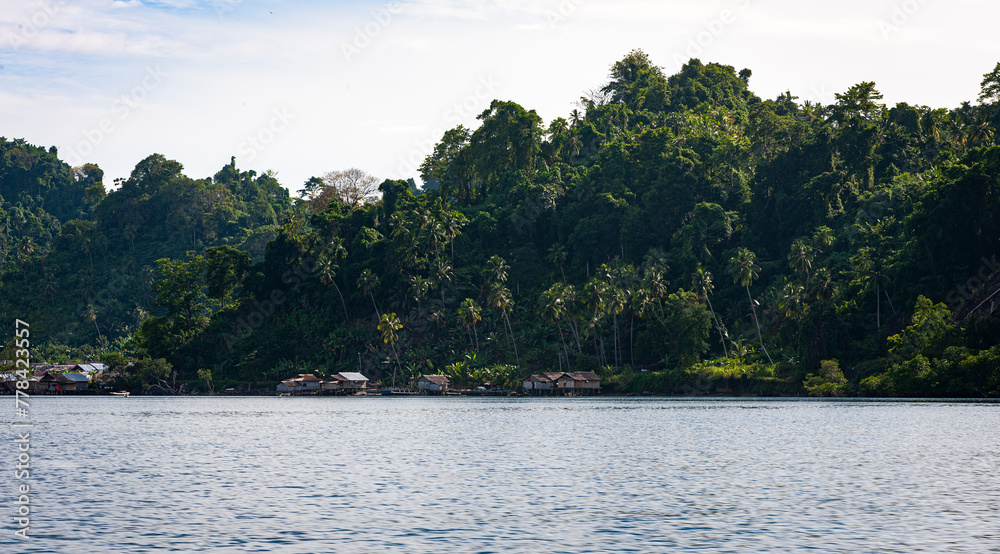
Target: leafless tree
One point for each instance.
(352, 186)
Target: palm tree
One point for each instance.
(868, 271)
(499, 298)
(51, 289)
(575, 145)
(616, 305)
(552, 309)
(801, 257)
(569, 312)
(389, 324)
(596, 290)
(368, 282)
(575, 117)
(703, 284)
(327, 271)
(792, 300)
(654, 267)
(496, 270)
(469, 315)
(419, 287)
(453, 223)
(442, 274)
(91, 316)
(824, 284)
(557, 255)
(24, 253)
(744, 271)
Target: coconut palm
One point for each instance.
(496, 270)
(91, 315)
(703, 284)
(389, 324)
(419, 287)
(368, 282)
(801, 257)
(327, 271)
(553, 308)
(575, 117)
(499, 298)
(744, 270)
(575, 145)
(453, 223)
(442, 274)
(469, 315)
(557, 255)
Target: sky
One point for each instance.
(307, 87)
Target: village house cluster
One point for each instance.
(346, 383)
(73, 377)
(560, 383)
(352, 383)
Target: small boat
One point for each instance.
(123, 393)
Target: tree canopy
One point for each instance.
(853, 247)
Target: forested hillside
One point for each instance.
(79, 263)
(675, 234)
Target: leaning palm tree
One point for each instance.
(469, 315)
(744, 270)
(327, 270)
(368, 282)
(91, 316)
(703, 284)
(389, 324)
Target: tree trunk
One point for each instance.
(718, 326)
(757, 323)
(878, 307)
(342, 303)
(563, 339)
(399, 365)
(513, 341)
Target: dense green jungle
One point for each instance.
(675, 234)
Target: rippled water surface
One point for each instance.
(507, 475)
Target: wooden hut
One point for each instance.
(433, 384)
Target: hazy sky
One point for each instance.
(307, 87)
